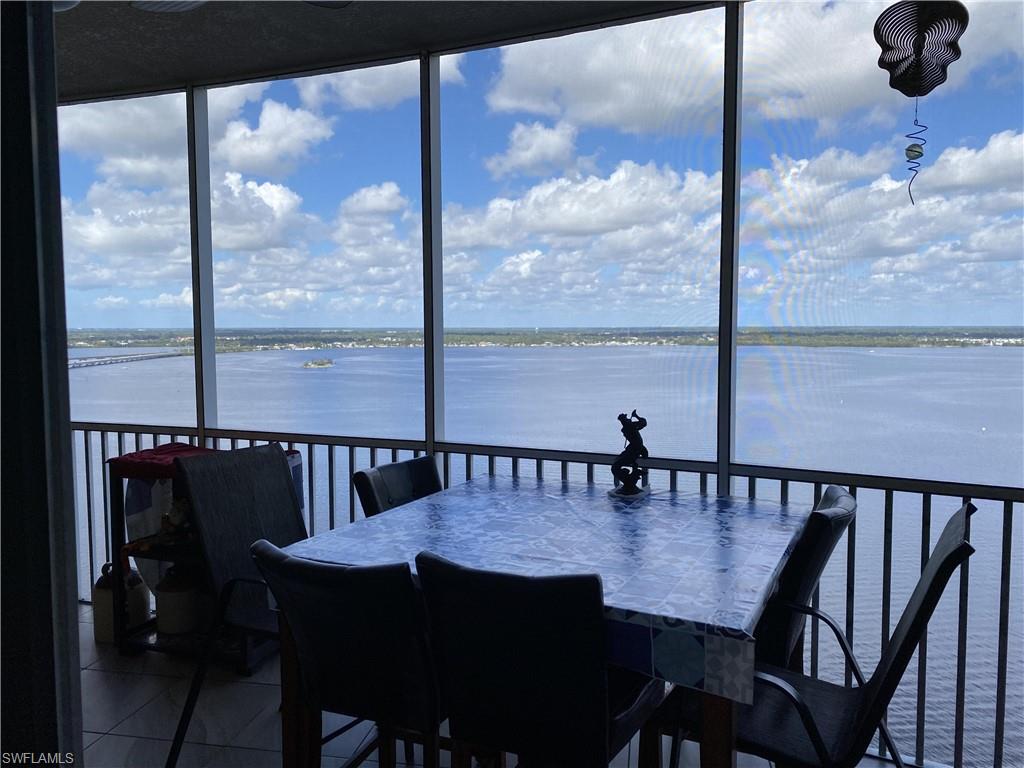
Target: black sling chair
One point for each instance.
(362, 647)
(391, 485)
(798, 721)
(237, 498)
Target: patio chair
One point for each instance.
(798, 721)
(236, 497)
(523, 667)
(361, 640)
(391, 485)
(780, 631)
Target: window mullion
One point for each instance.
(729, 259)
(200, 226)
(433, 297)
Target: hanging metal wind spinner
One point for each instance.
(919, 41)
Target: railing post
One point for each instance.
(433, 296)
(1004, 632)
(728, 262)
(200, 226)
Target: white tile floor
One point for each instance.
(131, 704)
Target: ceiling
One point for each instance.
(111, 49)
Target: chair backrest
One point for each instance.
(360, 636)
(238, 497)
(779, 630)
(522, 661)
(951, 550)
(391, 485)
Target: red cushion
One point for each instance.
(153, 463)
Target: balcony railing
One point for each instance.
(940, 714)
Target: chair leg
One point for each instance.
(410, 754)
(890, 744)
(386, 752)
(461, 756)
(491, 759)
(244, 667)
(431, 751)
(677, 743)
(193, 696)
(650, 745)
(795, 663)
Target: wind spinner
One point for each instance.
(919, 41)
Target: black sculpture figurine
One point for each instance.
(626, 469)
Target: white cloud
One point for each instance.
(995, 166)
(119, 237)
(120, 221)
(274, 259)
(282, 137)
(839, 166)
(563, 208)
(378, 248)
(536, 275)
(148, 171)
(860, 241)
(823, 237)
(139, 141)
(224, 104)
(810, 60)
(80, 273)
(375, 200)
(659, 75)
(111, 302)
(460, 279)
(459, 263)
(249, 215)
(271, 302)
(373, 268)
(372, 87)
(822, 230)
(171, 300)
(107, 128)
(535, 150)
(638, 243)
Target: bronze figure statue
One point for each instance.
(626, 469)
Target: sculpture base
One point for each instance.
(617, 493)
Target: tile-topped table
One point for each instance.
(686, 576)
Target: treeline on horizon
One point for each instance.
(255, 339)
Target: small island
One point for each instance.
(321, 362)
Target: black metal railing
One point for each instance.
(958, 715)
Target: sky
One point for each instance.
(581, 186)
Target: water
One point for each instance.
(942, 414)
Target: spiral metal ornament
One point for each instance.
(915, 151)
(919, 41)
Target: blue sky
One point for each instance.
(581, 183)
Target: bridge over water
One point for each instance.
(88, 362)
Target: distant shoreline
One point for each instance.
(309, 339)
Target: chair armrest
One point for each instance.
(802, 709)
(850, 659)
(832, 624)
